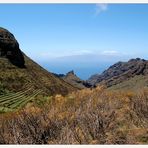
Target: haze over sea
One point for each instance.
(83, 65)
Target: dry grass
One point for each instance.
(96, 116)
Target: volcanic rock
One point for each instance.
(120, 72)
(9, 48)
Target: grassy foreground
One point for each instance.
(96, 116)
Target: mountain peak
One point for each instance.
(9, 48)
(136, 60)
(70, 73)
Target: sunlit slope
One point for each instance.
(17, 70)
(15, 79)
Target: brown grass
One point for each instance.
(96, 116)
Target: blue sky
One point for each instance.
(84, 37)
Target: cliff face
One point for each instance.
(9, 48)
(120, 72)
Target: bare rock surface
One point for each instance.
(9, 48)
(120, 72)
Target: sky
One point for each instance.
(86, 38)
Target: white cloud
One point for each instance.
(47, 55)
(100, 8)
(110, 52)
(83, 52)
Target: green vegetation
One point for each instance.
(2, 89)
(14, 101)
(41, 100)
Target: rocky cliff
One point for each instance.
(120, 72)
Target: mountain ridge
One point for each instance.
(73, 79)
(120, 72)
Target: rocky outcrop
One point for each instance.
(9, 48)
(120, 72)
(74, 80)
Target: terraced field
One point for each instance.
(14, 101)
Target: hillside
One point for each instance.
(120, 72)
(88, 116)
(38, 107)
(73, 79)
(19, 72)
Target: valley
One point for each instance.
(40, 107)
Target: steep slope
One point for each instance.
(120, 72)
(134, 83)
(73, 79)
(19, 72)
